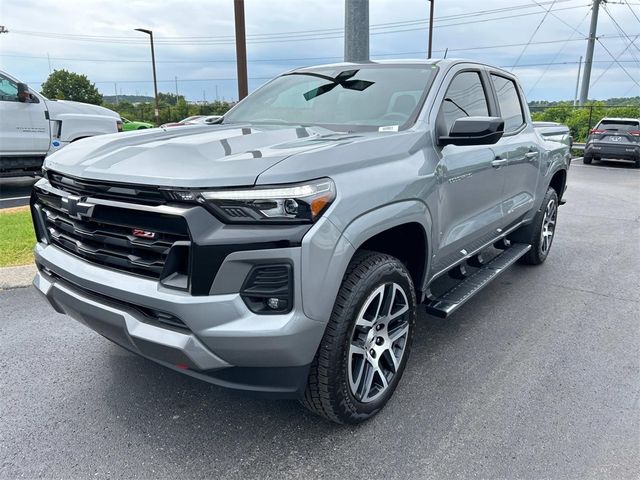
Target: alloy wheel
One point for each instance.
(548, 226)
(378, 342)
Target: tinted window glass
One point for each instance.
(8, 89)
(367, 97)
(509, 101)
(465, 98)
(618, 125)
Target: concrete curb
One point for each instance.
(16, 277)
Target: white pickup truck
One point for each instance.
(32, 126)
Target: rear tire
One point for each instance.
(365, 348)
(636, 164)
(540, 232)
(587, 160)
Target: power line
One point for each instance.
(619, 64)
(293, 38)
(299, 32)
(619, 28)
(300, 59)
(616, 58)
(632, 11)
(556, 55)
(546, 13)
(172, 80)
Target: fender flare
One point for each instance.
(321, 288)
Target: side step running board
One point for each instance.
(450, 301)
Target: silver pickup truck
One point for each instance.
(287, 249)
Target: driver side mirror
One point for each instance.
(474, 131)
(24, 95)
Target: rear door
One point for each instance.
(24, 129)
(470, 185)
(518, 147)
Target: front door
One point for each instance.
(24, 129)
(471, 182)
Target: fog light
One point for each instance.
(274, 303)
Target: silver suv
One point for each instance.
(287, 249)
(617, 138)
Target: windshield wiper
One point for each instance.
(343, 79)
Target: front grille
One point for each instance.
(113, 191)
(106, 236)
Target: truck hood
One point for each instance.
(190, 156)
(64, 107)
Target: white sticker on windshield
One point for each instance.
(388, 128)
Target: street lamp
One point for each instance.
(153, 63)
(430, 27)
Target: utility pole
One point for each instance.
(115, 89)
(176, 80)
(241, 49)
(575, 97)
(356, 30)
(153, 64)
(430, 27)
(588, 61)
(49, 60)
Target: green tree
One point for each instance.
(65, 85)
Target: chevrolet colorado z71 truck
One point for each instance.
(32, 126)
(287, 249)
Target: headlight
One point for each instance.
(297, 203)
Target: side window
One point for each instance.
(509, 101)
(465, 97)
(8, 90)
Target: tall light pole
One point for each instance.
(430, 27)
(356, 30)
(588, 61)
(153, 64)
(241, 49)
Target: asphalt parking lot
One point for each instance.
(536, 377)
(14, 192)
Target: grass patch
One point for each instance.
(16, 237)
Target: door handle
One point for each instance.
(531, 155)
(499, 162)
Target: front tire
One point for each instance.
(541, 231)
(365, 348)
(587, 160)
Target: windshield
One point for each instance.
(366, 96)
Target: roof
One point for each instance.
(442, 62)
(618, 119)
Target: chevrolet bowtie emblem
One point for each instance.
(75, 207)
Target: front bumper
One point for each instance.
(222, 342)
(625, 151)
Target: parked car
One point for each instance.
(186, 121)
(128, 125)
(32, 126)
(614, 138)
(206, 120)
(289, 248)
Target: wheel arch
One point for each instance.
(558, 182)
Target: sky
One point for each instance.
(194, 41)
